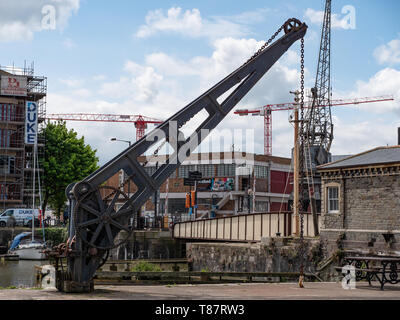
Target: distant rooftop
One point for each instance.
(377, 156)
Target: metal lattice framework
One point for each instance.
(140, 121)
(319, 127)
(266, 112)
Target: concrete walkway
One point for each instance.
(270, 291)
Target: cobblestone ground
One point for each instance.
(312, 291)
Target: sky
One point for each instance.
(154, 57)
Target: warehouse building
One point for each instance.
(19, 88)
(232, 183)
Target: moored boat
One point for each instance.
(27, 249)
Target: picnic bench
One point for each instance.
(384, 268)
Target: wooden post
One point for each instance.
(296, 172)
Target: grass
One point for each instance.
(144, 266)
(19, 288)
(8, 288)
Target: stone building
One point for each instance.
(361, 201)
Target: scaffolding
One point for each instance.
(16, 157)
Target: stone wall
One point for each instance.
(373, 203)
(269, 255)
(369, 208)
(148, 245)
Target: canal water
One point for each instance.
(20, 273)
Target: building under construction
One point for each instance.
(18, 87)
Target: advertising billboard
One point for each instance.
(31, 122)
(223, 184)
(216, 184)
(13, 86)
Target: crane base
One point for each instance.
(68, 286)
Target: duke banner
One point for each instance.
(31, 122)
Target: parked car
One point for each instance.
(22, 217)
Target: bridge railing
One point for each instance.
(247, 227)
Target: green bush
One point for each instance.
(144, 266)
(55, 236)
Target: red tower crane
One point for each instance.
(266, 112)
(140, 121)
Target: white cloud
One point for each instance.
(15, 31)
(317, 17)
(354, 134)
(191, 24)
(352, 137)
(384, 82)
(143, 85)
(388, 53)
(72, 83)
(19, 20)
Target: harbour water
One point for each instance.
(20, 273)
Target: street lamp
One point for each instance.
(129, 184)
(115, 139)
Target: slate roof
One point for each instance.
(377, 156)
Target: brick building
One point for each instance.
(228, 181)
(361, 199)
(19, 86)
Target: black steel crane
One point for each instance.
(317, 133)
(94, 220)
(319, 127)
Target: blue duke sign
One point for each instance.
(31, 122)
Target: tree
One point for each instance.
(66, 160)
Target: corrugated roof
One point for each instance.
(380, 155)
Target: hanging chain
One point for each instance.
(301, 167)
(266, 44)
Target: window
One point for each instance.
(261, 172)
(226, 170)
(7, 112)
(5, 137)
(333, 199)
(173, 175)
(150, 170)
(7, 165)
(207, 170)
(183, 171)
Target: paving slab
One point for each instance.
(259, 291)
